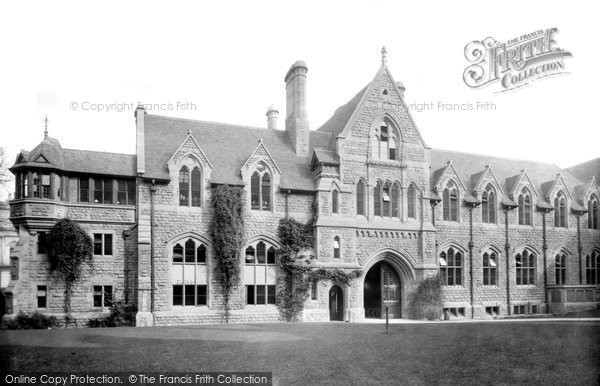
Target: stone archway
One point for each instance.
(385, 282)
(336, 303)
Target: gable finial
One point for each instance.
(46, 127)
(189, 131)
(260, 140)
(383, 55)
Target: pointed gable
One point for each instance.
(443, 175)
(480, 180)
(189, 148)
(41, 159)
(584, 192)
(518, 182)
(260, 154)
(551, 188)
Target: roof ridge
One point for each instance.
(498, 157)
(101, 152)
(214, 122)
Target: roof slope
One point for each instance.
(227, 147)
(585, 170)
(336, 124)
(505, 169)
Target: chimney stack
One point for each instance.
(296, 121)
(272, 114)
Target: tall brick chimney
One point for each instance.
(296, 121)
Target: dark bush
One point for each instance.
(35, 321)
(121, 315)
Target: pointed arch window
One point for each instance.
(196, 187)
(525, 207)
(490, 268)
(488, 205)
(560, 269)
(190, 186)
(450, 202)
(336, 247)
(451, 266)
(384, 142)
(189, 287)
(411, 196)
(335, 201)
(525, 263)
(260, 189)
(360, 198)
(386, 199)
(560, 210)
(261, 273)
(593, 212)
(592, 268)
(184, 186)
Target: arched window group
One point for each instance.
(451, 266)
(190, 186)
(260, 253)
(386, 199)
(490, 268)
(488, 205)
(525, 268)
(593, 212)
(384, 142)
(189, 276)
(525, 207)
(260, 189)
(560, 268)
(560, 210)
(592, 268)
(450, 202)
(260, 273)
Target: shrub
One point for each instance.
(426, 300)
(121, 315)
(35, 321)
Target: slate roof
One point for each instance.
(77, 161)
(336, 124)
(586, 170)
(227, 147)
(506, 170)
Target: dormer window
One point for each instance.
(190, 187)
(525, 207)
(560, 210)
(488, 205)
(593, 212)
(260, 189)
(450, 202)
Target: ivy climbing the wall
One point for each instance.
(227, 232)
(296, 280)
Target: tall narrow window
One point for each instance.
(525, 207)
(395, 197)
(488, 206)
(377, 199)
(42, 296)
(525, 268)
(490, 267)
(450, 202)
(36, 185)
(108, 191)
(360, 198)
(384, 141)
(184, 186)
(130, 192)
(385, 198)
(25, 185)
(190, 248)
(336, 247)
(560, 269)
(411, 196)
(334, 201)
(593, 212)
(196, 184)
(178, 254)
(261, 253)
(451, 266)
(122, 192)
(250, 255)
(260, 189)
(45, 189)
(592, 268)
(560, 210)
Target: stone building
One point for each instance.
(510, 237)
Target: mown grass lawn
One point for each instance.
(544, 352)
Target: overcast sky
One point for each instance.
(225, 61)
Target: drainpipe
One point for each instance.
(579, 247)
(544, 250)
(507, 208)
(287, 204)
(471, 205)
(152, 192)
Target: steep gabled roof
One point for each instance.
(585, 170)
(228, 147)
(506, 170)
(338, 121)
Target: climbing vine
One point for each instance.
(227, 232)
(426, 299)
(295, 283)
(68, 248)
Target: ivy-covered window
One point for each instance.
(260, 253)
(451, 266)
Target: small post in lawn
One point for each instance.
(387, 319)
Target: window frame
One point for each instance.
(525, 274)
(200, 292)
(361, 198)
(104, 243)
(337, 248)
(268, 293)
(560, 268)
(260, 190)
(106, 297)
(489, 213)
(451, 203)
(490, 269)
(45, 297)
(560, 210)
(335, 201)
(525, 207)
(592, 267)
(411, 200)
(456, 269)
(593, 212)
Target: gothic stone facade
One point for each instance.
(509, 237)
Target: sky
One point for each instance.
(87, 65)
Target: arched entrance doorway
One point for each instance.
(336, 303)
(382, 289)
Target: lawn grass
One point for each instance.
(548, 352)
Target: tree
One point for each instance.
(69, 247)
(5, 174)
